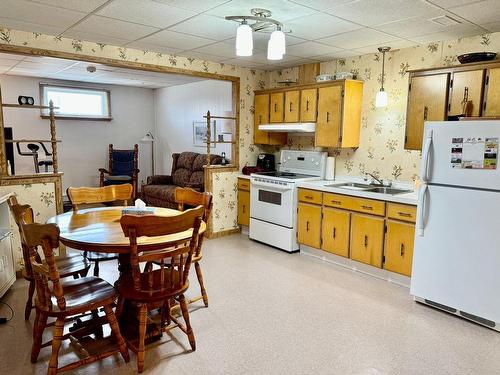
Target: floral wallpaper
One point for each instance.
(41, 197)
(381, 149)
(225, 209)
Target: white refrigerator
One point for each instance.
(456, 261)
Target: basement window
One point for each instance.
(76, 103)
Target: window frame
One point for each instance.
(44, 113)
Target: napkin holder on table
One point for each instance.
(138, 209)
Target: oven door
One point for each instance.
(272, 203)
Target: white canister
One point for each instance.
(330, 168)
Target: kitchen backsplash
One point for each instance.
(381, 149)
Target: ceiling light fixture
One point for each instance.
(381, 99)
(276, 45)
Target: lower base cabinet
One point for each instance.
(309, 225)
(367, 239)
(335, 231)
(243, 201)
(399, 247)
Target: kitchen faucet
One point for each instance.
(380, 182)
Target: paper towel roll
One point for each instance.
(330, 168)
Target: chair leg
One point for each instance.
(38, 328)
(29, 302)
(185, 315)
(119, 306)
(141, 351)
(56, 345)
(165, 313)
(115, 329)
(96, 268)
(202, 285)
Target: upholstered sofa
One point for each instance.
(187, 171)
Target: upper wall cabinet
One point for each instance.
(427, 102)
(469, 90)
(335, 107)
(261, 116)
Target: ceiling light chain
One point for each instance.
(276, 46)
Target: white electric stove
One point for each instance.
(273, 197)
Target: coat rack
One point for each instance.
(209, 141)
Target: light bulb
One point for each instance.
(244, 40)
(276, 46)
(381, 99)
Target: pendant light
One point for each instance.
(244, 40)
(276, 47)
(381, 99)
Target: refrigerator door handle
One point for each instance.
(421, 210)
(425, 156)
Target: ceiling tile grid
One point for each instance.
(320, 29)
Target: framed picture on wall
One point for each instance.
(200, 133)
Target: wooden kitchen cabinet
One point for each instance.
(277, 107)
(261, 116)
(243, 201)
(492, 93)
(309, 224)
(427, 100)
(335, 226)
(466, 87)
(292, 106)
(399, 247)
(308, 105)
(367, 239)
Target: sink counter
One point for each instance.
(405, 198)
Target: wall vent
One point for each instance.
(445, 21)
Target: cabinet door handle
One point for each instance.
(369, 208)
(336, 202)
(404, 214)
(244, 208)
(307, 105)
(275, 107)
(426, 112)
(327, 116)
(366, 240)
(402, 249)
(260, 119)
(308, 197)
(307, 226)
(291, 106)
(334, 232)
(466, 95)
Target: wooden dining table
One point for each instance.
(99, 230)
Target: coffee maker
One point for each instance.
(266, 162)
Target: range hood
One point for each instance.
(290, 127)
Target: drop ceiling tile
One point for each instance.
(30, 27)
(86, 6)
(154, 48)
(308, 49)
(113, 28)
(482, 12)
(203, 56)
(145, 12)
(319, 25)
(458, 32)
(39, 14)
(357, 39)
(39, 66)
(492, 27)
(395, 45)
(376, 12)
(452, 3)
(207, 27)
(321, 5)
(11, 56)
(9, 63)
(411, 28)
(336, 55)
(219, 49)
(94, 37)
(194, 5)
(173, 39)
(281, 10)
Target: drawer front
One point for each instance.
(401, 212)
(336, 200)
(243, 184)
(310, 196)
(368, 206)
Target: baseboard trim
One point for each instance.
(223, 233)
(356, 266)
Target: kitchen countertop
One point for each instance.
(405, 198)
(245, 176)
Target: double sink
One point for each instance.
(370, 188)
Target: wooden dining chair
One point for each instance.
(65, 299)
(189, 197)
(80, 196)
(149, 288)
(68, 265)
